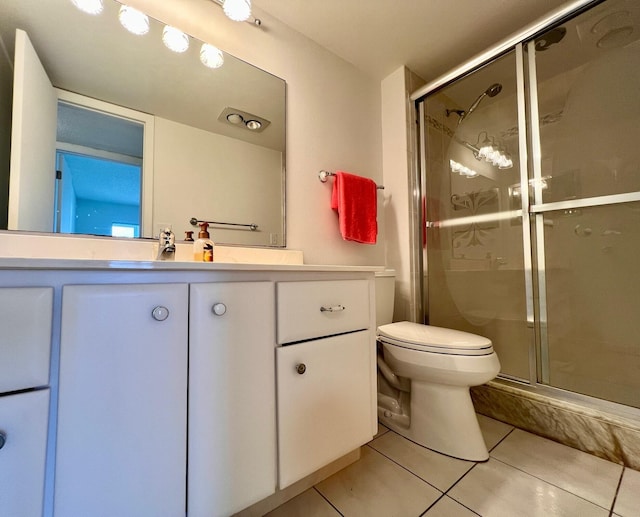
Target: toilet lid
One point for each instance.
(440, 340)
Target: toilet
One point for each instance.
(424, 376)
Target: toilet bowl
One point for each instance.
(434, 407)
(425, 373)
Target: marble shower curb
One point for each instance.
(603, 435)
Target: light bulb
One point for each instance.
(174, 39)
(237, 10)
(133, 20)
(89, 6)
(253, 124)
(235, 118)
(211, 56)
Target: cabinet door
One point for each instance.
(25, 342)
(23, 424)
(324, 408)
(121, 446)
(232, 430)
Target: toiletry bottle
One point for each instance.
(203, 246)
(188, 236)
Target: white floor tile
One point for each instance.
(308, 504)
(375, 486)
(493, 430)
(437, 469)
(496, 489)
(585, 475)
(628, 500)
(447, 507)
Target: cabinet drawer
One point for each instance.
(308, 310)
(25, 343)
(23, 421)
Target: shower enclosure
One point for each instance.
(530, 184)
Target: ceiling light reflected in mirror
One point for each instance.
(89, 6)
(136, 22)
(210, 56)
(237, 10)
(243, 119)
(175, 40)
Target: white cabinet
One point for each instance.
(324, 386)
(324, 407)
(122, 410)
(25, 344)
(23, 430)
(25, 348)
(232, 429)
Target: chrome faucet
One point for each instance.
(167, 245)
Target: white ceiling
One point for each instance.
(430, 37)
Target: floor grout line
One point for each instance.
(615, 497)
(432, 505)
(502, 439)
(327, 500)
(403, 467)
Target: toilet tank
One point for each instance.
(385, 295)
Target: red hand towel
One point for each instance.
(356, 200)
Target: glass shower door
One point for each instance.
(586, 201)
(473, 247)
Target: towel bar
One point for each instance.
(323, 175)
(195, 222)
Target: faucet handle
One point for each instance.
(167, 238)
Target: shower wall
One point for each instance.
(554, 286)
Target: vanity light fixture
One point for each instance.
(490, 151)
(210, 56)
(89, 6)
(174, 39)
(237, 10)
(136, 22)
(462, 170)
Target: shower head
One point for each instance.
(492, 91)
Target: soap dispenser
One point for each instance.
(203, 246)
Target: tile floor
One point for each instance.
(526, 475)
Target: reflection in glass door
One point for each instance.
(557, 235)
(474, 247)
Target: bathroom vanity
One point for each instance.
(173, 385)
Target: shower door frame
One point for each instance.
(532, 210)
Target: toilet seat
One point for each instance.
(426, 338)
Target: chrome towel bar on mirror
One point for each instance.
(195, 222)
(323, 175)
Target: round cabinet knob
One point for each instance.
(301, 368)
(160, 313)
(3, 439)
(219, 309)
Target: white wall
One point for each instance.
(204, 175)
(398, 161)
(333, 120)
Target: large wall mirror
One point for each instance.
(103, 132)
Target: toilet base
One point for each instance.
(442, 418)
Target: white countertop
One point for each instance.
(167, 265)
